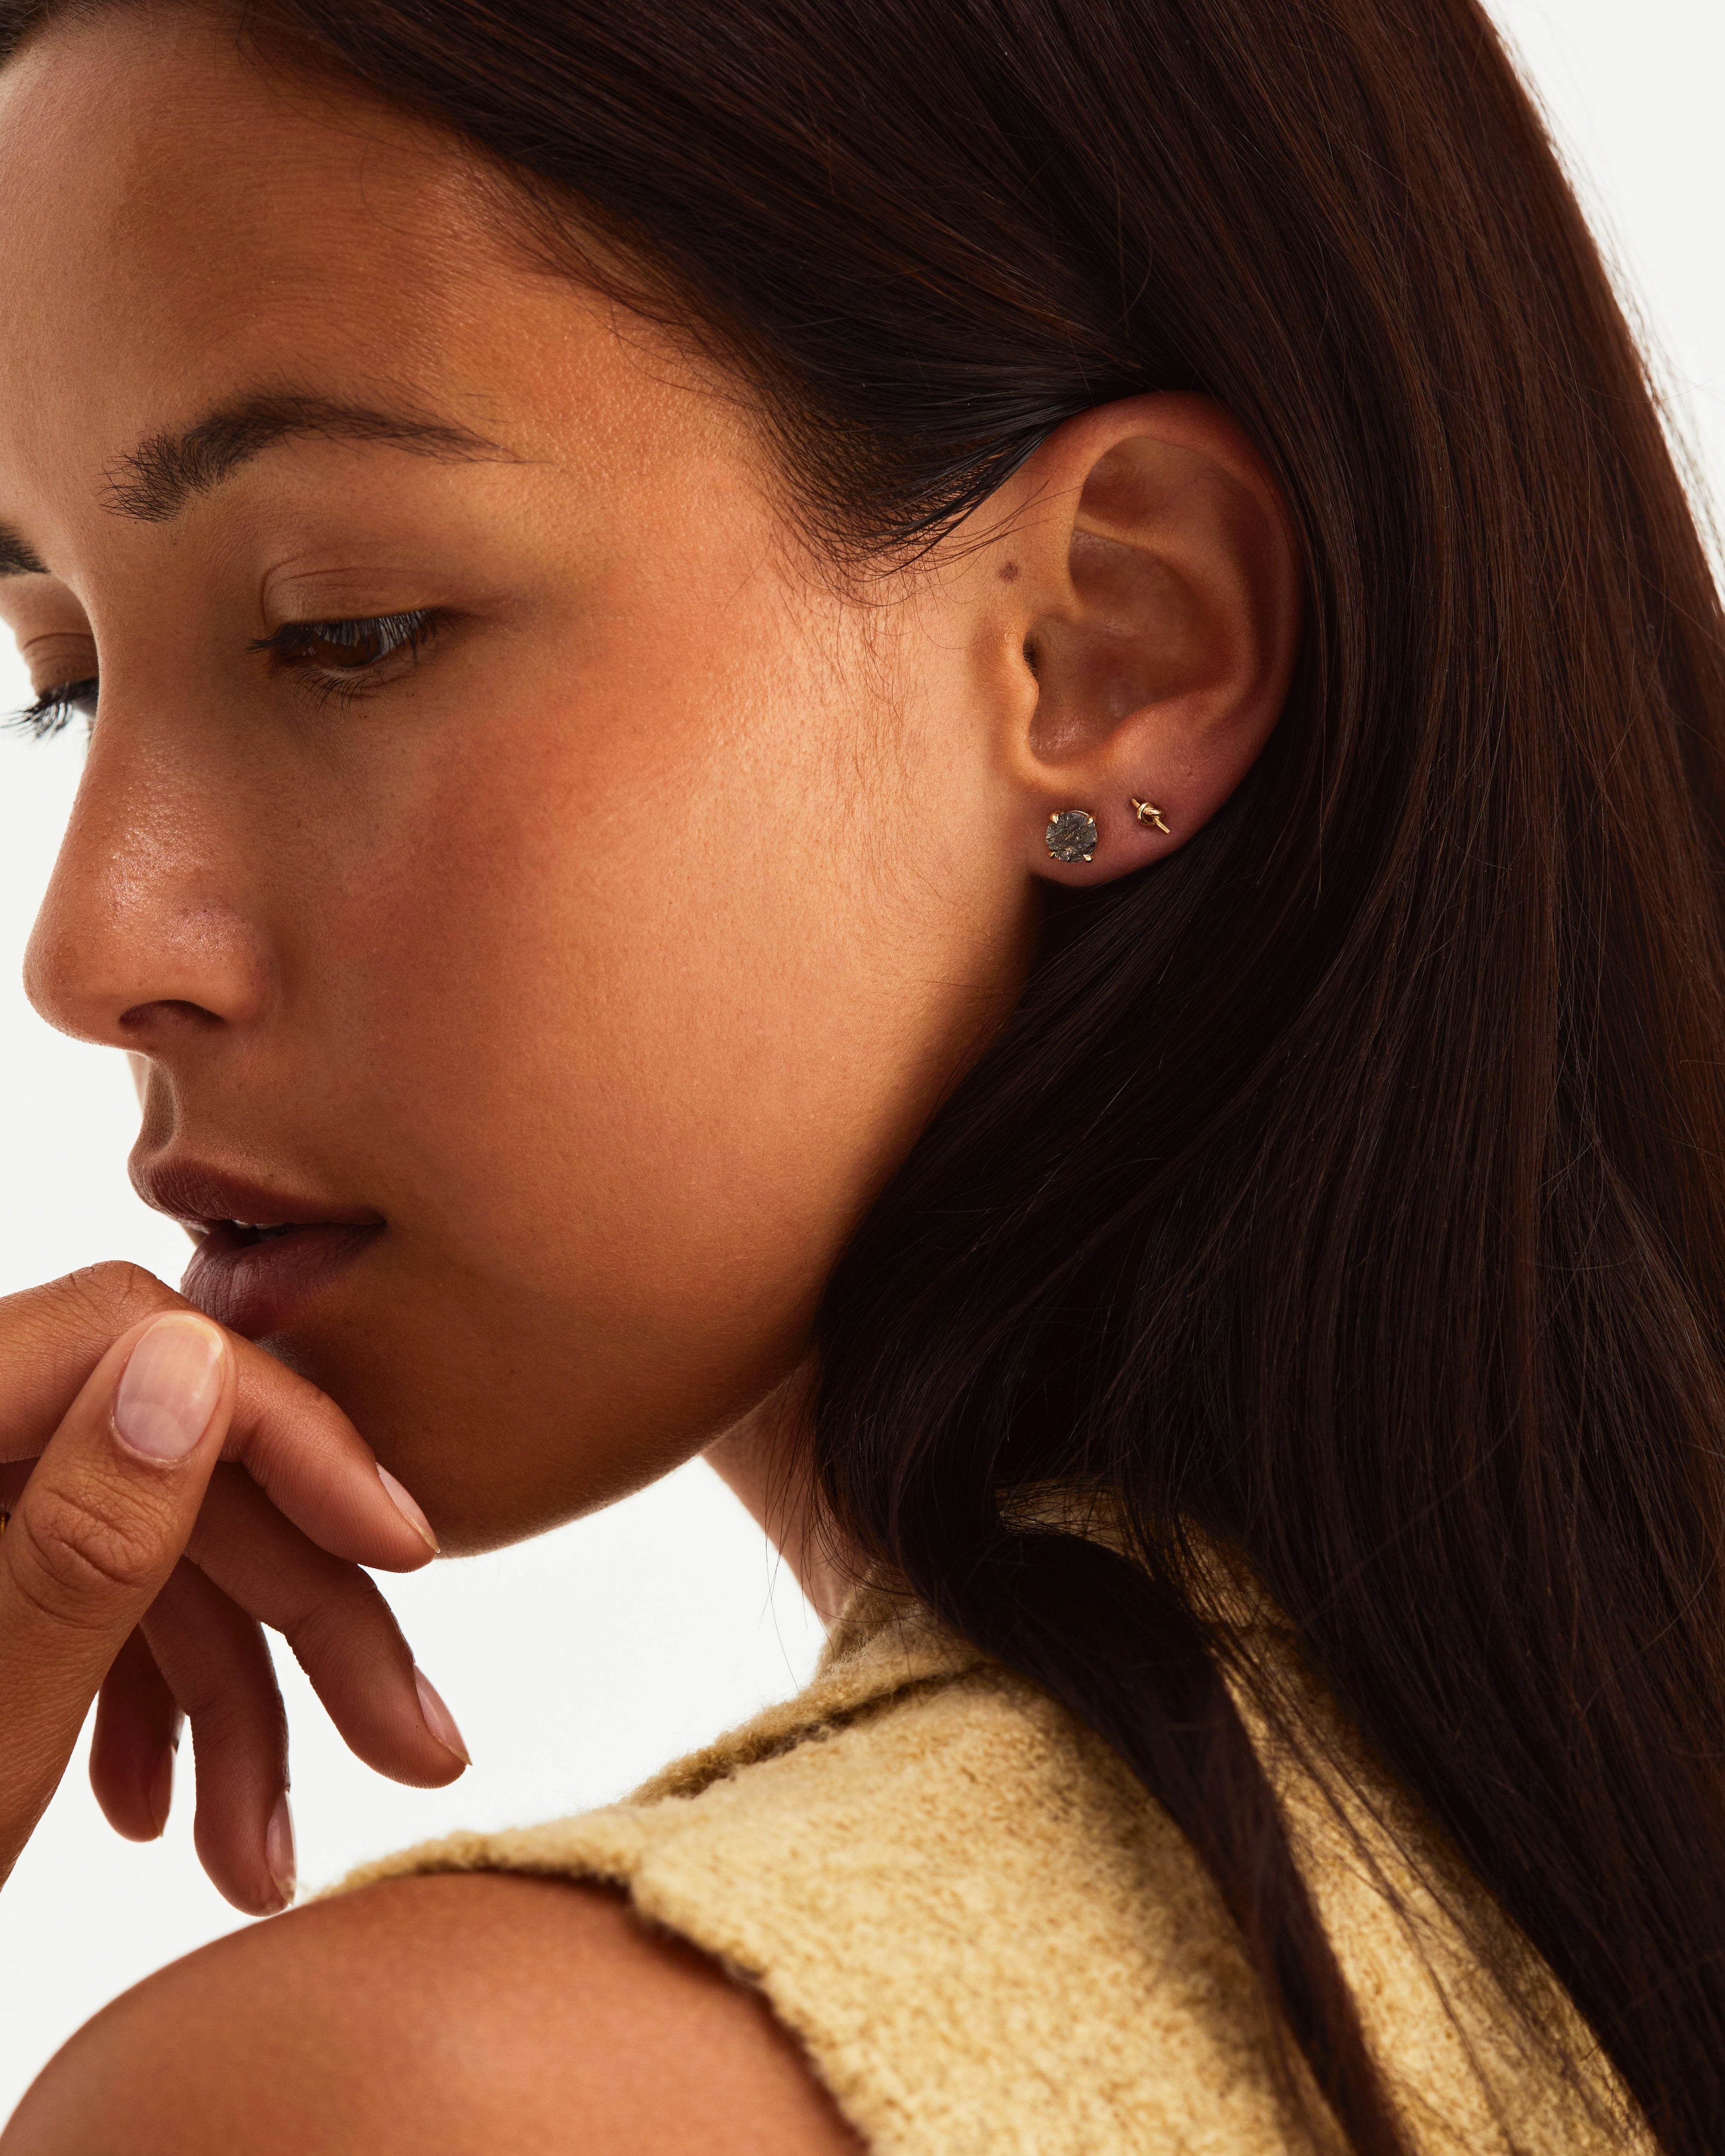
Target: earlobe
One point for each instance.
(1163, 613)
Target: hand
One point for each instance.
(136, 1564)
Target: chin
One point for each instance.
(491, 1461)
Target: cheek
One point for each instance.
(629, 1000)
(622, 955)
(611, 1000)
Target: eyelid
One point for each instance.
(405, 623)
(403, 634)
(56, 655)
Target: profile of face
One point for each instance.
(547, 896)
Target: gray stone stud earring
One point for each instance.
(1071, 835)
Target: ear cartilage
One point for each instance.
(1148, 812)
(1071, 835)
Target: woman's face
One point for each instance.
(585, 962)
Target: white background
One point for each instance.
(578, 1663)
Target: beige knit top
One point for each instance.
(990, 1943)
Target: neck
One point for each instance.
(764, 1460)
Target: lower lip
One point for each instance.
(255, 1288)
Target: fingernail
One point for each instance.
(408, 1510)
(439, 1720)
(162, 1792)
(171, 1386)
(278, 1850)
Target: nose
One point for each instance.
(143, 941)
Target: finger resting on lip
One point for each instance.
(342, 1631)
(105, 1508)
(297, 1442)
(99, 1525)
(214, 1658)
(131, 1751)
(298, 1447)
(52, 1337)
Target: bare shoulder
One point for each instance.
(448, 2016)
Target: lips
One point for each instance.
(262, 1254)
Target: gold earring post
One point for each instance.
(1148, 812)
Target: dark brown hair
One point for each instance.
(1352, 1186)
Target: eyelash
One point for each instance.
(293, 644)
(54, 710)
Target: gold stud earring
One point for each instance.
(1071, 835)
(1148, 812)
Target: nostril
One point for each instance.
(169, 1011)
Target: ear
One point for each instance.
(1154, 583)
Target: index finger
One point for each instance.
(293, 1440)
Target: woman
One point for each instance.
(973, 752)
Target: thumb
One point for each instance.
(103, 1519)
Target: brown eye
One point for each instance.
(348, 647)
(344, 644)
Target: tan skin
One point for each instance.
(610, 949)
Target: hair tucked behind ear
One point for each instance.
(1351, 1186)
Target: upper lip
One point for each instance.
(200, 1196)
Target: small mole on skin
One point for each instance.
(1008, 570)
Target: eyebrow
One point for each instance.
(153, 483)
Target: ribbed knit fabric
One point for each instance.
(990, 1943)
